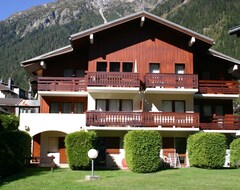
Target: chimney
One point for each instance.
(29, 90)
(10, 82)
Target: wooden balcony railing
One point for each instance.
(70, 84)
(171, 80)
(218, 87)
(113, 79)
(171, 119)
(145, 119)
(227, 122)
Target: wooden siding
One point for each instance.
(45, 102)
(143, 46)
(36, 145)
(62, 151)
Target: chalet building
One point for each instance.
(140, 72)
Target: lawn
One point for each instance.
(185, 178)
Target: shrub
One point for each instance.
(235, 153)
(9, 122)
(142, 150)
(207, 150)
(14, 147)
(78, 144)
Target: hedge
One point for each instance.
(14, 147)
(77, 145)
(9, 122)
(235, 153)
(207, 150)
(142, 150)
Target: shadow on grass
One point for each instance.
(28, 171)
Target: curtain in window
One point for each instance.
(79, 107)
(114, 105)
(154, 68)
(167, 106)
(101, 105)
(127, 105)
(179, 106)
(54, 107)
(66, 107)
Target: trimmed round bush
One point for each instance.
(142, 150)
(235, 153)
(77, 145)
(14, 147)
(207, 150)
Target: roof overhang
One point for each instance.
(37, 63)
(235, 30)
(143, 14)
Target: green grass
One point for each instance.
(185, 178)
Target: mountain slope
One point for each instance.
(47, 27)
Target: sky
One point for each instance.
(8, 7)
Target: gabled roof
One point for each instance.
(223, 56)
(235, 30)
(3, 88)
(9, 101)
(50, 54)
(137, 16)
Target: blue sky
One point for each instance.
(8, 7)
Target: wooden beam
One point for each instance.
(142, 21)
(192, 41)
(91, 38)
(43, 64)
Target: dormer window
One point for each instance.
(154, 68)
(179, 68)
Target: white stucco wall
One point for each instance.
(35, 123)
(153, 102)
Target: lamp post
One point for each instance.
(92, 154)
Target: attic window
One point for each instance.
(114, 66)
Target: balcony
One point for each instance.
(69, 84)
(227, 122)
(218, 87)
(112, 81)
(145, 119)
(167, 83)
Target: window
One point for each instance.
(114, 66)
(101, 105)
(54, 107)
(173, 106)
(219, 110)
(102, 66)
(79, 73)
(179, 68)
(127, 66)
(79, 107)
(127, 105)
(53, 145)
(207, 109)
(154, 68)
(114, 105)
(66, 107)
(68, 73)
